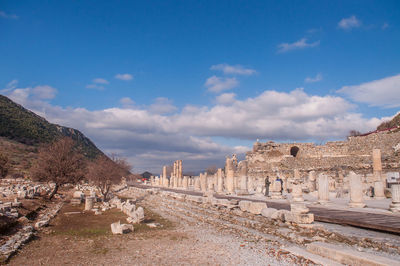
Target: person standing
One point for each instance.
(267, 183)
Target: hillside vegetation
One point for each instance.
(23, 126)
(395, 122)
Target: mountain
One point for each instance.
(21, 125)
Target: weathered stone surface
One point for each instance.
(299, 218)
(119, 229)
(244, 205)
(395, 206)
(356, 193)
(280, 215)
(268, 212)
(256, 207)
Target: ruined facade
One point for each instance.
(334, 157)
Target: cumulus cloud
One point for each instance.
(150, 138)
(125, 77)
(383, 92)
(233, 69)
(8, 16)
(100, 81)
(300, 44)
(226, 98)
(162, 105)
(349, 23)
(127, 102)
(218, 84)
(317, 78)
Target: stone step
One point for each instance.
(349, 256)
(300, 252)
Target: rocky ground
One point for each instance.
(188, 233)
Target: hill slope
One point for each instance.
(395, 122)
(21, 125)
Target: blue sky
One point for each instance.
(157, 81)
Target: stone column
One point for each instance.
(203, 182)
(164, 174)
(311, 180)
(356, 191)
(220, 181)
(395, 206)
(243, 177)
(379, 184)
(323, 188)
(298, 209)
(185, 182)
(197, 183)
(379, 190)
(88, 203)
(210, 182)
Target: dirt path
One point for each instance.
(77, 238)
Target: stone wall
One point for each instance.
(354, 154)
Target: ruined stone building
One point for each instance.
(334, 158)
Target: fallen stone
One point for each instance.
(268, 212)
(256, 207)
(244, 205)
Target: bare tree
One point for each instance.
(211, 169)
(60, 163)
(105, 172)
(354, 133)
(4, 165)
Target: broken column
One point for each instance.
(203, 182)
(276, 190)
(243, 177)
(323, 188)
(185, 182)
(298, 210)
(395, 206)
(311, 181)
(220, 181)
(210, 182)
(379, 184)
(229, 173)
(197, 185)
(356, 191)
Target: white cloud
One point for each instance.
(162, 105)
(317, 78)
(300, 44)
(100, 81)
(10, 86)
(127, 102)
(349, 23)
(383, 92)
(9, 16)
(125, 77)
(95, 86)
(218, 84)
(226, 98)
(44, 92)
(233, 69)
(151, 139)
